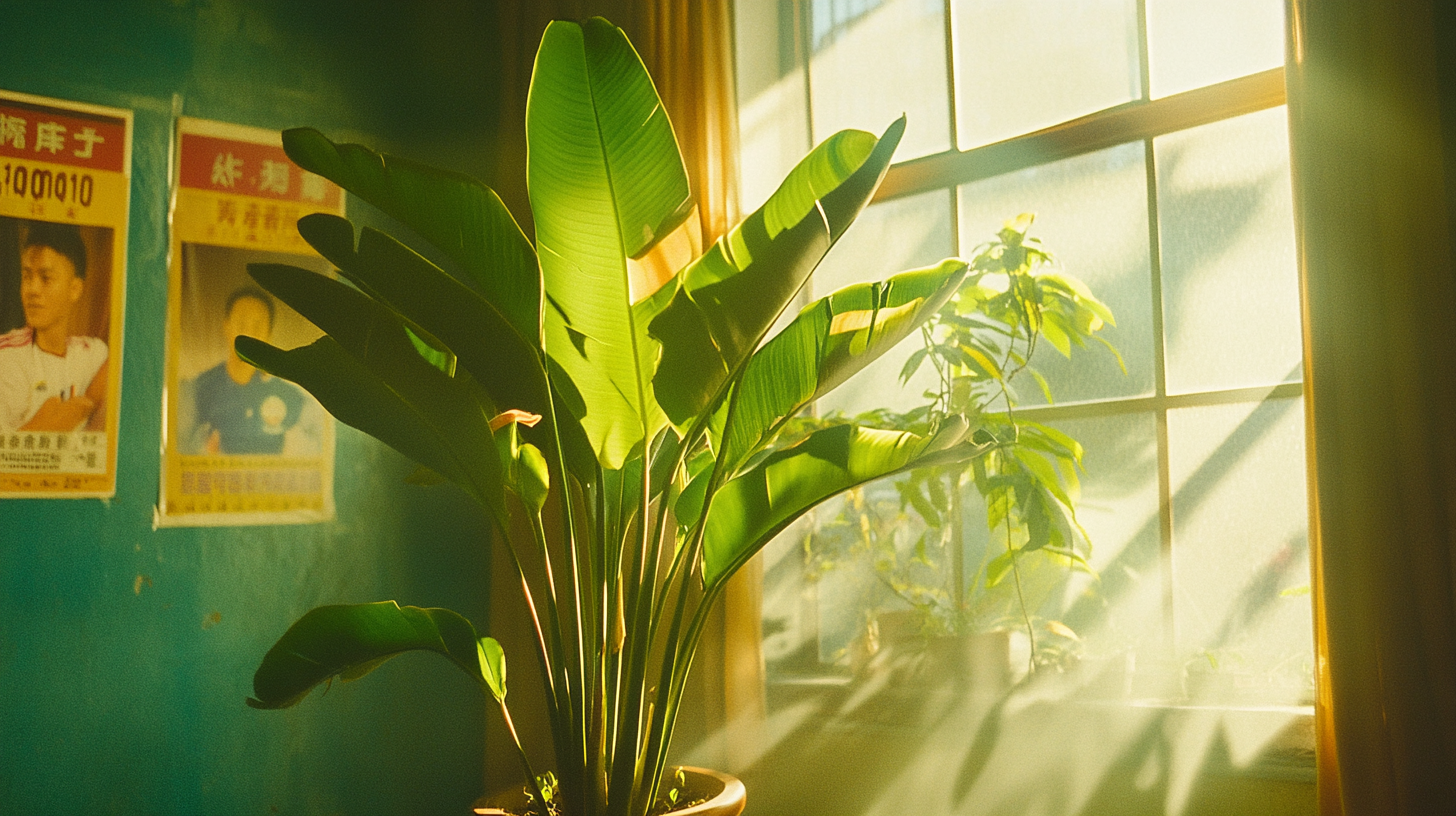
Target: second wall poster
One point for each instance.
(240, 446)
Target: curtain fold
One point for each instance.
(1372, 114)
(687, 46)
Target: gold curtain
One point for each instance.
(1373, 172)
(687, 46)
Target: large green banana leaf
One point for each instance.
(752, 508)
(368, 373)
(348, 641)
(607, 184)
(831, 340)
(506, 364)
(728, 299)
(462, 217)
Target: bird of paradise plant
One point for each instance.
(603, 382)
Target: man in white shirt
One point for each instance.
(50, 379)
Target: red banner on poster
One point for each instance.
(250, 169)
(72, 138)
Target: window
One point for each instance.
(1150, 139)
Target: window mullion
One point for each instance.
(1160, 391)
(950, 75)
(804, 28)
(1144, 68)
(1125, 123)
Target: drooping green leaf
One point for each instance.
(348, 641)
(1078, 290)
(607, 184)
(492, 666)
(1046, 523)
(750, 509)
(462, 217)
(439, 424)
(831, 340)
(912, 364)
(1043, 471)
(505, 363)
(921, 503)
(726, 301)
(1054, 330)
(387, 378)
(1041, 382)
(999, 567)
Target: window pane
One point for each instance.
(1241, 551)
(887, 238)
(773, 121)
(1022, 65)
(1195, 44)
(1092, 213)
(1121, 613)
(1226, 229)
(876, 59)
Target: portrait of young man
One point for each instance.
(52, 378)
(239, 409)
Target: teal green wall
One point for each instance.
(113, 701)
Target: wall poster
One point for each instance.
(65, 183)
(239, 446)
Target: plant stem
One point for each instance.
(958, 551)
(525, 761)
(1021, 598)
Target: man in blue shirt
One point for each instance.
(241, 410)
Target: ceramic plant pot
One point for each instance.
(720, 795)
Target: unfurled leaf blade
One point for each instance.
(830, 341)
(606, 183)
(750, 509)
(728, 299)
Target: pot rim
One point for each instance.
(727, 802)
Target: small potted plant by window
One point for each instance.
(605, 383)
(926, 616)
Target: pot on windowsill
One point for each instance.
(707, 793)
(972, 661)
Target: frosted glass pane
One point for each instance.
(773, 118)
(1195, 44)
(1022, 65)
(1092, 213)
(1119, 510)
(1226, 228)
(876, 60)
(1241, 551)
(906, 233)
